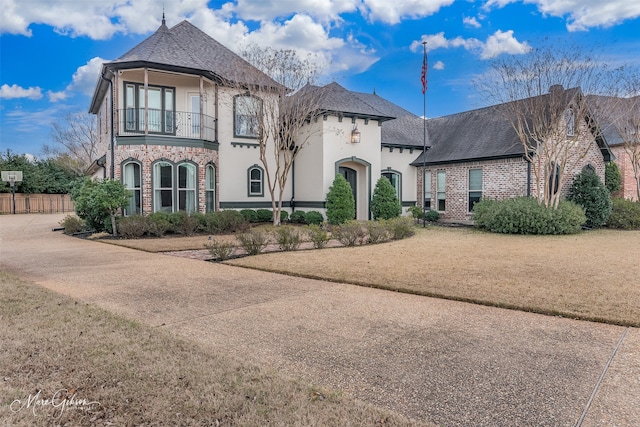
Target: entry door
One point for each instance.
(352, 178)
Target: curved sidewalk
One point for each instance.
(450, 363)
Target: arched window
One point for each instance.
(187, 174)
(589, 168)
(571, 122)
(396, 181)
(132, 178)
(163, 187)
(246, 112)
(210, 187)
(554, 179)
(256, 181)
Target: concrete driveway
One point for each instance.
(451, 363)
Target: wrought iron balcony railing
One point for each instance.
(181, 124)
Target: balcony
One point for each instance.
(178, 124)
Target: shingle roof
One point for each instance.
(607, 109)
(484, 133)
(337, 99)
(186, 48)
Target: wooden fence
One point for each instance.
(36, 203)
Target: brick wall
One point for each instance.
(629, 185)
(501, 179)
(147, 154)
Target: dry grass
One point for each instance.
(139, 375)
(592, 276)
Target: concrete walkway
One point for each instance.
(451, 363)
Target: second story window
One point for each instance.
(159, 115)
(246, 111)
(571, 122)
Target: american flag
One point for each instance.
(423, 75)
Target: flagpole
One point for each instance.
(424, 132)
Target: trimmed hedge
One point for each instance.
(313, 217)
(524, 215)
(625, 215)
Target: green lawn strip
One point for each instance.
(98, 368)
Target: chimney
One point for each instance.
(555, 88)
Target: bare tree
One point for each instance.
(76, 141)
(280, 116)
(628, 124)
(542, 95)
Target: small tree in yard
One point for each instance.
(340, 204)
(589, 192)
(279, 102)
(385, 203)
(541, 94)
(97, 201)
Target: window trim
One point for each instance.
(123, 168)
(235, 116)
(261, 181)
(470, 204)
(137, 121)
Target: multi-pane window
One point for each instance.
(159, 116)
(163, 187)
(255, 181)
(210, 188)
(246, 109)
(187, 187)
(441, 184)
(475, 187)
(427, 190)
(131, 178)
(395, 180)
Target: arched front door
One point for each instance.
(352, 178)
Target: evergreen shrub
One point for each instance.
(385, 203)
(313, 217)
(589, 192)
(340, 204)
(625, 214)
(524, 215)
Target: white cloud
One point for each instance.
(56, 96)
(14, 91)
(582, 14)
(86, 76)
(439, 65)
(324, 10)
(392, 12)
(299, 32)
(498, 43)
(503, 42)
(471, 22)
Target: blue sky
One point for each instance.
(51, 50)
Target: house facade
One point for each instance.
(176, 127)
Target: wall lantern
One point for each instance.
(355, 134)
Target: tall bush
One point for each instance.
(385, 203)
(97, 202)
(340, 204)
(625, 215)
(612, 177)
(589, 192)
